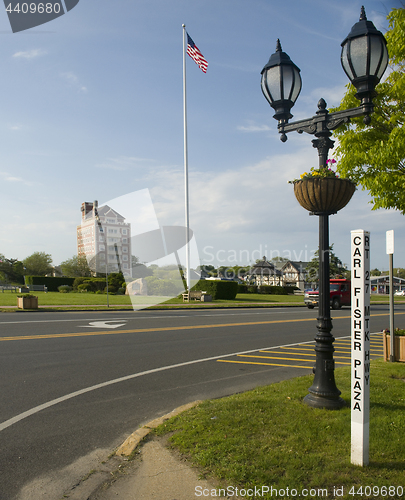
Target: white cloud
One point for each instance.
(73, 81)
(122, 163)
(30, 54)
(243, 214)
(255, 128)
(10, 178)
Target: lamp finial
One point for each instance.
(363, 14)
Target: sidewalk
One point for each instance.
(156, 473)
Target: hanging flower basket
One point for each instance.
(324, 195)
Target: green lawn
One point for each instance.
(8, 298)
(268, 436)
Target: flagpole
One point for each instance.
(186, 161)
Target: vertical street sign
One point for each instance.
(360, 345)
(390, 251)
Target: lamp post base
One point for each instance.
(316, 401)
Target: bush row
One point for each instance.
(51, 283)
(267, 289)
(165, 287)
(116, 284)
(225, 290)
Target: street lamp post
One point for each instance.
(364, 59)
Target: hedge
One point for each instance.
(225, 290)
(266, 289)
(164, 287)
(52, 283)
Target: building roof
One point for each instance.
(264, 268)
(298, 265)
(105, 211)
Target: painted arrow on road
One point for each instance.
(103, 324)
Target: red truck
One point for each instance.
(340, 294)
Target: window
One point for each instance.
(124, 231)
(125, 249)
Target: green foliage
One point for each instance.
(76, 266)
(38, 264)
(163, 287)
(336, 267)
(268, 436)
(94, 284)
(374, 156)
(218, 289)
(78, 281)
(115, 282)
(11, 270)
(52, 283)
(272, 290)
(141, 271)
(65, 288)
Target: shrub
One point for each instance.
(94, 284)
(272, 290)
(225, 290)
(158, 286)
(65, 288)
(242, 288)
(52, 283)
(82, 287)
(115, 282)
(252, 289)
(79, 281)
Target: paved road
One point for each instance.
(73, 383)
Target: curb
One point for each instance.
(129, 445)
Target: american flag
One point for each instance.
(194, 52)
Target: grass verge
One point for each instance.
(86, 300)
(268, 436)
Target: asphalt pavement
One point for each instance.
(76, 385)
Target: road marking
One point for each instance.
(165, 329)
(148, 330)
(53, 402)
(286, 351)
(102, 324)
(267, 364)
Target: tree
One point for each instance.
(336, 267)
(375, 272)
(11, 270)
(38, 264)
(374, 156)
(76, 266)
(399, 272)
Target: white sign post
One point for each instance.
(390, 251)
(360, 320)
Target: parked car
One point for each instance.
(400, 292)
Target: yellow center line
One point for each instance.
(166, 329)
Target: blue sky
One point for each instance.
(91, 108)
